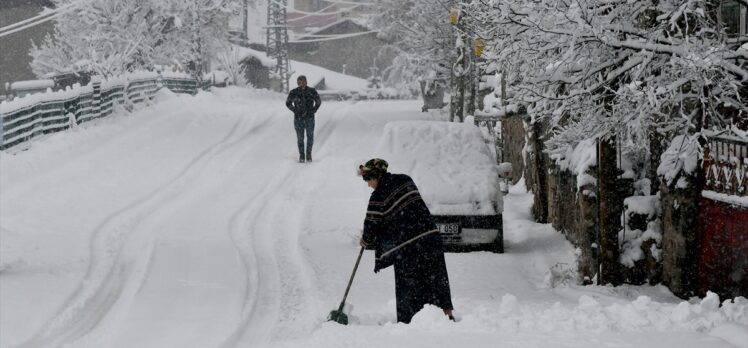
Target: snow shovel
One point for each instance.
(337, 315)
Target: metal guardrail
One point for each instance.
(55, 115)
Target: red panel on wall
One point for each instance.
(722, 234)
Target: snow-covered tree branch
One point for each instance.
(602, 68)
(113, 36)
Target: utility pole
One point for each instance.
(462, 99)
(277, 40)
(245, 22)
(197, 45)
(457, 96)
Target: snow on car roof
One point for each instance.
(452, 166)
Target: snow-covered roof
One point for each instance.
(246, 52)
(333, 80)
(452, 166)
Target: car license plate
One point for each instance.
(450, 228)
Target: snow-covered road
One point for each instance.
(189, 224)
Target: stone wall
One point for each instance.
(513, 137)
(679, 244)
(574, 213)
(536, 171)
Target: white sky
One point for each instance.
(189, 224)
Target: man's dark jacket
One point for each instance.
(304, 102)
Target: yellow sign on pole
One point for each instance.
(454, 16)
(479, 47)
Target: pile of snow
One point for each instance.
(578, 160)
(450, 163)
(246, 52)
(163, 95)
(31, 84)
(512, 322)
(723, 197)
(681, 155)
(493, 105)
(642, 314)
(631, 239)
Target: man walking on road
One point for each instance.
(304, 102)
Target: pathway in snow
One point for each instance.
(189, 224)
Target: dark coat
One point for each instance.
(304, 102)
(400, 227)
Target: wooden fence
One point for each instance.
(26, 118)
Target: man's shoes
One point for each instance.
(309, 157)
(301, 159)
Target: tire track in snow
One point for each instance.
(279, 284)
(261, 303)
(301, 310)
(107, 273)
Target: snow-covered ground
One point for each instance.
(189, 224)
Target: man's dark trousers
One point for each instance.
(304, 125)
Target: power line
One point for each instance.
(314, 13)
(47, 19)
(39, 19)
(320, 13)
(335, 37)
(317, 14)
(350, 3)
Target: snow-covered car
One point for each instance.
(457, 176)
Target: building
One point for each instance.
(358, 55)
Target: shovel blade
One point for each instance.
(338, 317)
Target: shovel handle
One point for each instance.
(350, 281)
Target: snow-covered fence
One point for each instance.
(25, 118)
(726, 165)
